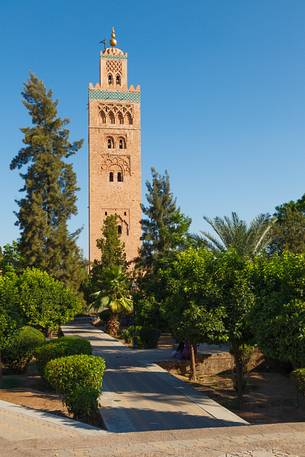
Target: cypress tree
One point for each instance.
(111, 247)
(50, 187)
(113, 256)
(165, 227)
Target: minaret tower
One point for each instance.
(114, 152)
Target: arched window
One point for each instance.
(110, 79)
(111, 117)
(111, 176)
(103, 117)
(120, 176)
(122, 143)
(129, 118)
(118, 80)
(119, 230)
(110, 142)
(121, 118)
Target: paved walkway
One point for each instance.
(138, 395)
(277, 440)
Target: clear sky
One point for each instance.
(223, 94)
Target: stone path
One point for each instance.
(276, 440)
(138, 395)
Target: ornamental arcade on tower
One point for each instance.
(114, 152)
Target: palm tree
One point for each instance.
(114, 295)
(233, 232)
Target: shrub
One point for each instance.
(146, 337)
(299, 377)
(10, 319)
(45, 302)
(82, 402)
(149, 337)
(64, 346)
(278, 318)
(127, 334)
(79, 379)
(21, 348)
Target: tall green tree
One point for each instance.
(288, 233)
(234, 292)
(112, 248)
(50, 187)
(233, 232)
(10, 258)
(165, 227)
(278, 317)
(112, 254)
(190, 306)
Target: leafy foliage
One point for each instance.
(236, 297)
(112, 255)
(79, 379)
(21, 348)
(278, 318)
(44, 302)
(190, 307)
(142, 336)
(236, 234)
(164, 227)
(113, 294)
(10, 258)
(288, 233)
(299, 377)
(64, 346)
(50, 189)
(10, 318)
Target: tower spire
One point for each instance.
(113, 41)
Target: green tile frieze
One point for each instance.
(97, 94)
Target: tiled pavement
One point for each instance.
(138, 395)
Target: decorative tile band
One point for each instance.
(110, 57)
(97, 94)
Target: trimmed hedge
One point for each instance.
(79, 379)
(63, 346)
(21, 348)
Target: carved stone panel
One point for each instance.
(111, 161)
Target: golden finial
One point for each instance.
(113, 41)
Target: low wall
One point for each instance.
(211, 364)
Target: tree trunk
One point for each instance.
(193, 362)
(113, 325)
(239, 372)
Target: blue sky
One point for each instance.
(223, 94)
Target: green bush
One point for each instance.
(82, 402)
(278, 317)
(10, 316)
(146, 337)
(299, 377)
(64, 346)
(20, 350)
(149, 337)
(79, 379)
(45, 302)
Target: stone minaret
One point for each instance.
(114, 152)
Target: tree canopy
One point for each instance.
(233, 232)
(49, 189)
